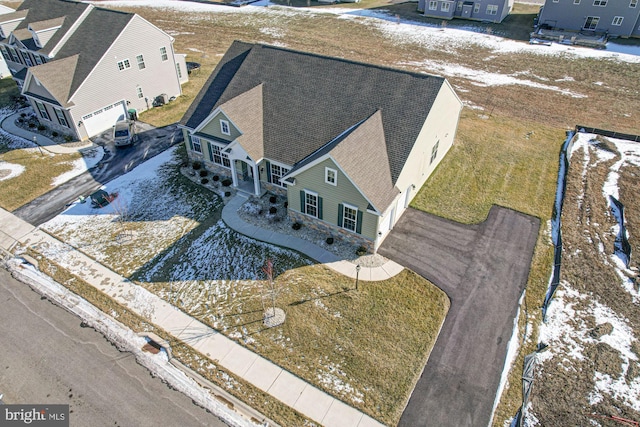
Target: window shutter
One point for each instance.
(359, 222)
(340, 214)
(190, 143)
(210, 151)
(319, 207)
(302, 201)
(268, 171)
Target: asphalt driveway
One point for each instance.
(483, 268)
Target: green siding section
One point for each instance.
(213, 128)
(332, 196)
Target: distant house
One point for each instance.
(610, 17)
(4, 68)
(82, 67)
(478, 10)
(348, 143)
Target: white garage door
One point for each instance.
(104, 118)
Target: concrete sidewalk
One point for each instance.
(9, 125)
(315, 252)
(284, 386)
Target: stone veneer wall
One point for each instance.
(331, 230)
(272, 188)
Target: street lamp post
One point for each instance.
(357, 275)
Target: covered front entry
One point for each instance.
(245, 177)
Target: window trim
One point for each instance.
(576, 2)
(433, 5)
(617, 21)
(42, 109)
(306, 203)
(592, 18)
(600, 3)
(164, 56)
(179, 70)
(492, 9)
(633, 4)
(476, 8)
(195, 140)
(275, 178)
(346, 206)
(140, 92)
(335, 176)
(140, 61)
(434, 152)
(445, 6)
(225, 124)
(124, 64)
(62, 120)
(218, 156)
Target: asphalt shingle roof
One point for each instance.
(309, 100)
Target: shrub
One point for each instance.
(216, 178)
(286, 205)
(21, 120)
(68, 138)
(296, 226)
(203, 173)
(273, 210)
(226, 182)
(32, 125)
(23, 114)
(361, 251)
(329, 240)
(41, 127)
(197, 165)
(54, 134)
(273, 199)
(204, 181)
(227, 193)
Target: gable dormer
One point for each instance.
(10, 21)
(43, 31)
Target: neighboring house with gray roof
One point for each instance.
(475, 10)
(608, 17)
(83, 67)
(348, 143)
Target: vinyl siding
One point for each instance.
(213, 128)
(106, 84)
(440, 125)
(569, 16)
(504, 7)
(45, 36)
(38, 89)
(345, 192)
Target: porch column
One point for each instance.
(256, 180)
(234, 178)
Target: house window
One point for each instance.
(331, 176)
(27, 58)
(277, 172)
(433, 5)
(350, 217)
(617, 20)
(163, 53)
(591, 22)
(195, 144)
(179, 70)
(476, 8)
(445, 7)
(556, 1)
(492, 9)
(139, 92)
(633, 3)
(459, 6)
(434, 152)
(311, 204)
(140, 60)
(224, 127)
(38, 59)
(576, 1)
(5, 54)
(61, 118)
(601, 3)
(124, 64)
(218, 157)
(43, 111)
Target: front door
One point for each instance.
(466, 10)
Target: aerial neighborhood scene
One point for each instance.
(319, 213)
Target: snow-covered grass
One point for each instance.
(90, 158)
(592, 322)
(10, 170)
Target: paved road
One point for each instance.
(483, 269)
(46, 357)
(152, 141)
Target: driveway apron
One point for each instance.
(483, 268)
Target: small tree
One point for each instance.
(273, 316)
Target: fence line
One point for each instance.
(608, 133)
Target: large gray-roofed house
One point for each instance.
(349, 143)
(86, 66)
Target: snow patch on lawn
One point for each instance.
(89, 159)
(13, 168)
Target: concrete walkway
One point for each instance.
(284, 386)
(9, 125)
(233, 221)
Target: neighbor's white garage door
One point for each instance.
(104, 118)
